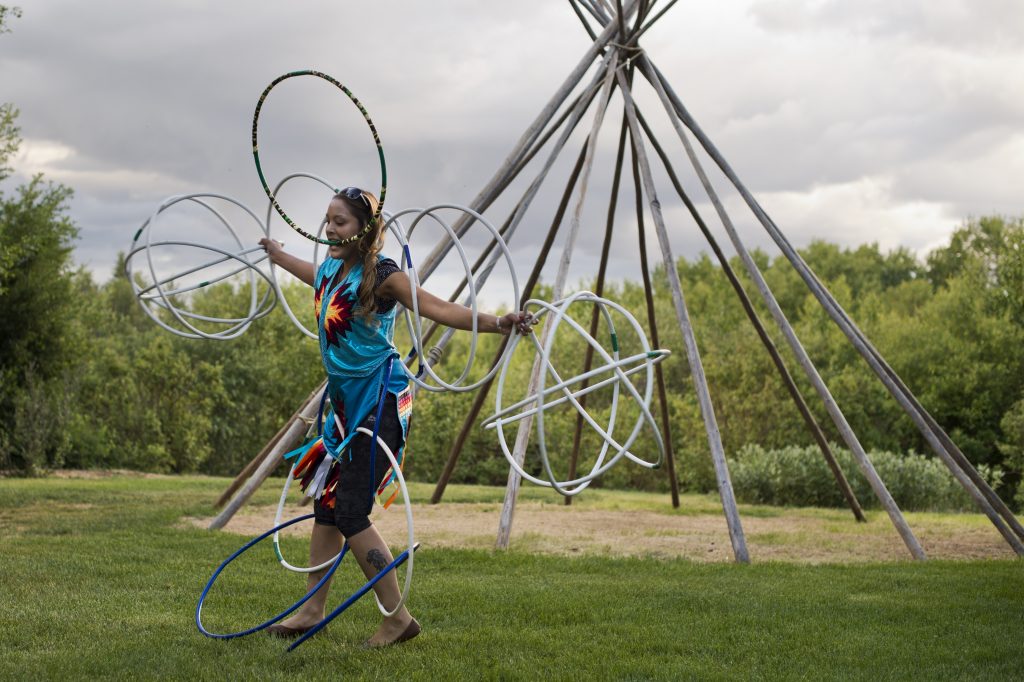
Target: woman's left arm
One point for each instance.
(455, 315)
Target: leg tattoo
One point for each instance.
(376, 559)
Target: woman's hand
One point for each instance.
(273, 248)
(522, 322)
(304, 270)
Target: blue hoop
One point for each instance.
(274, 619)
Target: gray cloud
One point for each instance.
(856, 122)
(953, 24)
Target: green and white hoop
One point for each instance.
(376, 141)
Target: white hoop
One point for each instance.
(407, 502)
(162, 298)
(614, 364)
(413, 320)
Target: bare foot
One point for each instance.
(301, 621)
(393, 631)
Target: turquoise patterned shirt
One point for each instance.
(355, 353)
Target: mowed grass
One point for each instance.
(100, 579)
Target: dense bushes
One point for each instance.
(799, 476)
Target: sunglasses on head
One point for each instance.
(355, 193)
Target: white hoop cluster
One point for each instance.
(155, 297)
(538, 401)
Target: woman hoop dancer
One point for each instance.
(356, 291)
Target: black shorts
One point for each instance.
(354, 494)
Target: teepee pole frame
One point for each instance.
(838, 418)
(889, 379)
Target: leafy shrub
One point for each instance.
(799, 476)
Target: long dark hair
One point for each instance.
(369, 246)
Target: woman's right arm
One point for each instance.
(302, 269)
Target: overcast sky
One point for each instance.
(870, 121)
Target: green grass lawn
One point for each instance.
(100, 580)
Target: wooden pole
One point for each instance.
(602, 268)
(958, 464)
(251, 466)
(525, 425)
(595, 11)
(787, 379)
(653, 20)
(501, 178)
(663, 401)
(583, 20)
(467, 425)
(652, 322)
(247, 470)
(295, 429)
(524, 203)
(736, 535)
(470, 421)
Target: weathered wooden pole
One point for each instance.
(525, 425)
(595, 10)
(652, 322)
(508, 228)
(732, 517)
(501, 178)
(588, 359)
(654, 20)
(624, 43)
(295, 429)
(583, 20)
(251, 466)
(966, 465)
(524, 203)
(467, 425)
(948, 452)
